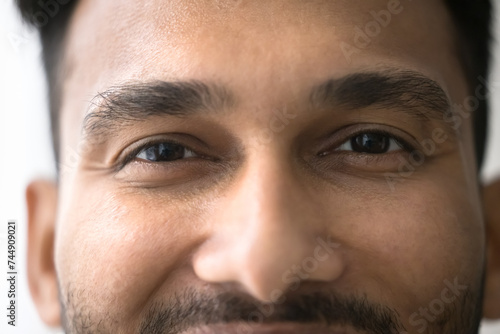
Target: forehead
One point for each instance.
(254, 47)
(187, 37)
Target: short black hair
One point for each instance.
(472, 20)
(51, 18)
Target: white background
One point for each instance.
(25, 151)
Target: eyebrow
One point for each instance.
(406, 91)
(134, 102)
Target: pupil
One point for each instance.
(165, 152)
(372, 143)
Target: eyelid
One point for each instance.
(394, 145)
(130, 156)
(332, 147)
(401, 142)
(187, 151)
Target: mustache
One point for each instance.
(191, 308)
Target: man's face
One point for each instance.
(267, 167)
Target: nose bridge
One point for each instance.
(274, 192)
(278, 223)
(268, 227)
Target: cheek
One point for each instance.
(415, 238)
(122, 246)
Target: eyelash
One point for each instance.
(133, 154)
(401, 142)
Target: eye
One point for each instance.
(165, 152)
(371, 143)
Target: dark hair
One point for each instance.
(472, 19)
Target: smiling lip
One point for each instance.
(278, 328)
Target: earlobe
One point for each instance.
(41, 198)
(492, 216)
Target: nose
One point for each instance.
(269, 233)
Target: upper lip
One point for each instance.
(275, 328)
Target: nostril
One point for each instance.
(214, 263)
(268, 267)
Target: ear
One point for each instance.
(492, 216)
(41, 198)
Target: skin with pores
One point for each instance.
(240, 215)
